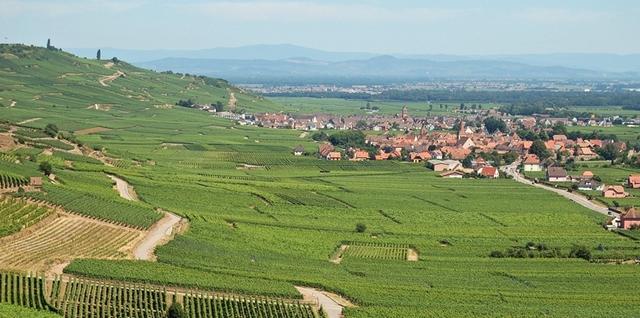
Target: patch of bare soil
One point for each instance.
(89, 131)
(163, 106)
(160, 233)
(13, 103)
(6, 142)
(412, 255)
(102, 107)
(109, 65)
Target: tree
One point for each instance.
(609, 152)
(320, 136)
(493, 124)
(361, 125)
(467, 162)
(48, 43)
(559, 129)
(539, 149)
(115, 60)
(98, 55)
(51, 130)
(361, 227)
(175, 311)
(45, 167)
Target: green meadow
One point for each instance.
(262, 220)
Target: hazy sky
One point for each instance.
(431, 27)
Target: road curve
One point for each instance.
(123, 189)
(575, 197)
(158, 234)
(331, 307)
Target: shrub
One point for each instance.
(45, 167)
(496, 254)
(361, 227)
(175, 311)
(580, 251)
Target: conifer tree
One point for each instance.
(98, 55)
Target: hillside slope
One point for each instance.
(34, 79)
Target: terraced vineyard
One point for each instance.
(79, 298)
(17, 214)
(63, 239)
(262, 220)
(12, 181)
(377, 251)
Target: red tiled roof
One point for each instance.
(532, 159)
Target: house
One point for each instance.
(455, 174)
(417, 157)
(324, 149)
(334, 155)
(590, 185)
(634, 181)
(585, 153)
(586, 175)
(360, 155)
(614, 191)
(557, 174)
(488, 172)
(444, 165)
(531, 163)
(298, 151)
(630, 219)
(35, 182)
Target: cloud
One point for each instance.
(289, 11)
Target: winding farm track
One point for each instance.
(158, 234)
(125, 191)
(577, 198)
(332, 304)
(29, 120)
(108, 79)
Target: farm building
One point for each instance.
(35, 182)
(630, 218)
(614, 191)
(324, 149)
(634, 181)
(334, 155)
(590, 185)
(585, 153)
(557, 174)
(455, 174)
(444, 165)
(488, 172)
(298, 151)
(532, 163)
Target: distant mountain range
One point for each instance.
(290, 63)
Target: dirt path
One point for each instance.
(13, 103)
(577, 198)
(29, 120)
(108, 79)
(337, 256)
(232, 101)
(124, 189)
(159, 234)
(332, 304)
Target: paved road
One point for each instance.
(512, 170)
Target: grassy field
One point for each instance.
(624, 133)
(607, 111)
(309, 105)
(12, 311)
(263, 221)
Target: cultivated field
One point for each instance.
(262, 221)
